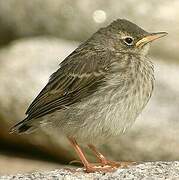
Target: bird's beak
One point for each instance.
(149, 38)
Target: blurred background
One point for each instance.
(36, 35)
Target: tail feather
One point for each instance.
(23, 127)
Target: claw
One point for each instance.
(92, 168)
(75, 162)
(119, 164)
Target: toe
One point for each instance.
(92, 168)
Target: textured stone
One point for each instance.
(143, 171)
(75, 20)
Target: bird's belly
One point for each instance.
(105, 115)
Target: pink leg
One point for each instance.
(105, 161)
(88, 166)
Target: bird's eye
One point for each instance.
(129, 40)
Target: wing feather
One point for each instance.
(79, 76)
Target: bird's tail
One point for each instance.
(23, 127)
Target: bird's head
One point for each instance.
(125, 36)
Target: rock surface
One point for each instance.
(14, 165)
(143, 171)
(77, 21)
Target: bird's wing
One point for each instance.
(79, 75)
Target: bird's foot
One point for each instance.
(104, 166)
(105, 162)
(91, 168)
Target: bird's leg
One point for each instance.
(105, 161)
(99, 156)
(89, 167)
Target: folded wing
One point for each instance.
(79, 76)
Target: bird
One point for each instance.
(97, 92)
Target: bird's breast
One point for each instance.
(114, 107)
(127, 95)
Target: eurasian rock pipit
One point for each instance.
(98, 90)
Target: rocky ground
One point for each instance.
(14, 165)
(143, 171)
